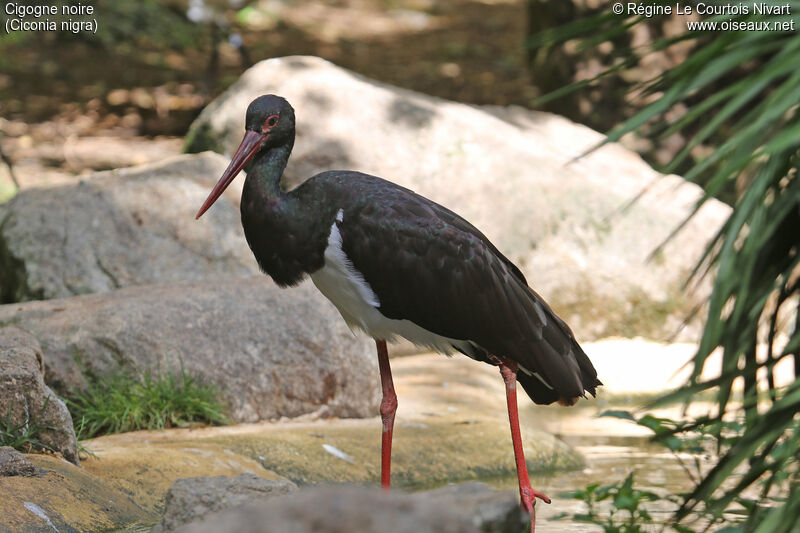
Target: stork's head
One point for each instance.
(269, 123)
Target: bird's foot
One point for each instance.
(528, 497)
(534, 494)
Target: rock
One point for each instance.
(13, 463)
(492, 511)
(65, 498)
(146, 470)
(192, 499)
(272, 352)
(511, 175)
(102, 152)
(26, 402)
(120, 228)
(80, 153)
(345, 509)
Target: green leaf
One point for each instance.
(625, 415)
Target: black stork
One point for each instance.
(396, 264)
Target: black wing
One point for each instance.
(428, 265)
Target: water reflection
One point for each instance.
(612, 449)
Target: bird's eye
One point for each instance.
(270, 122)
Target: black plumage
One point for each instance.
(428, 265)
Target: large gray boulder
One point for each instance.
(26, 402)
(469, 508)
(509, 172)
(121, 228)
(272, 352)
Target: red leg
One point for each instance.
(388, 408)
(508, 369)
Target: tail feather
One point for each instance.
(540, 390)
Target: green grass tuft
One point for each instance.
(123, 403)
(24, 436)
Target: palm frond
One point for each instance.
(740, 95)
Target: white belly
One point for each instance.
(347, 289)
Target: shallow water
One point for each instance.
(612, 449)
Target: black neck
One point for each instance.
(287, 237)
(264, 171)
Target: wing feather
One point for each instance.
(428, 265)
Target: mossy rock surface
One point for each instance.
(145, 471)
(66, 498)
(122, 487)
(423, 454)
